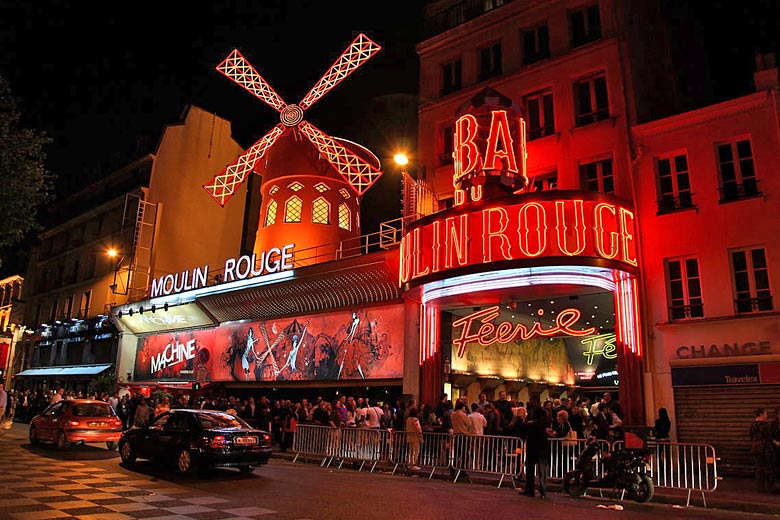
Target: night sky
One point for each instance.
(103, 78)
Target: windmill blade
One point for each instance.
(222, 186)
(357, 172)
(238, 69)
(358, 52)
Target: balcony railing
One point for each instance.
(457, 14)
(748, 305)
(686, 312)
(732, 191)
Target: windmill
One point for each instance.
(305, 190)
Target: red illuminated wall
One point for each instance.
(327, 349)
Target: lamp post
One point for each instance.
(113, 254)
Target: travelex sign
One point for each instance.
(248, 266)
(518, 228)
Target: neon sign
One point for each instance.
(247, 266)
(505, 332)
(603, 344)
(520, 228)
(173, 354)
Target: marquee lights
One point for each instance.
(523, 230)
(505, 332)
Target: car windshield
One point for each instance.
(92, 410)
(211, 421)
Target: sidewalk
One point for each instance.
(732, 493)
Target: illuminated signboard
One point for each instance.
(177, 317)
(248, 266)
(353, 345)
(520, 228)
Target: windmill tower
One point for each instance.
(312, 182)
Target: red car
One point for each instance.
(76, 420)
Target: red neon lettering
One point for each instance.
(577, 229)
(598, 212)
(404, 271)
(628, 235)
(436, 246)
(460, 197)
(527, 226)
(456, 241)
(489, 235)
(417, 256)
(476, 193)
(505, 332)
(466, 152)
(499, 150)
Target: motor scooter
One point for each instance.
(625, 470)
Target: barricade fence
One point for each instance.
(684, 466)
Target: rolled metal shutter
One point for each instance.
(720, 416)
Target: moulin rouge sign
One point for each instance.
(493, 221)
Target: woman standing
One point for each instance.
(414, 437)
(762, 449)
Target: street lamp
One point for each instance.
(113, 254)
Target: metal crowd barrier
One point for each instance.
(688, 467)
(492, 454)
(435, 452)
(685, 466)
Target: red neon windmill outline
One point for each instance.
(357, 172)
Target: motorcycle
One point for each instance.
(624, 469)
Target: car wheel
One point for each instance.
(111, 445)
(246, 470)
(185, 465)
(33, 436)
(62, 442)
(126, 453)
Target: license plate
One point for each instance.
(246, 440)
(98, 424)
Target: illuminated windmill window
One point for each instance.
(273, 190)
(344, 193)
(292, 210)
(320, 213)
(295, 186)
(344, 221)
(321, 187)
(270, 213)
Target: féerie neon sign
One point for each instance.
(524, 227)
(505, 332)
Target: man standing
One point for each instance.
(504, 409)
(478, 421)
(3, 402)
(537, 453)
(57, 397)
(461, 427)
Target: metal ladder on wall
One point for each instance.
(140, 217)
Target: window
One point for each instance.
(344, 222)
(539, 107)
(674, 185)
(585, 25)
(543, 182)
(295, 186)
(684, 289)
(751, 280)
(737, 175)
(344, 193)
(490, 62)
(536, 44)
(321, 187)
(451, 77)
(292, 210)
(597, 176)
(86, 299)
(67, 308)
(592, 101)
(273, 190)
(447, 144)
(270, 214)
(320, 212)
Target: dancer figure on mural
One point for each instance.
(249, 351)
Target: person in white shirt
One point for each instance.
(373, 416)
(58, 395)
(478, 421)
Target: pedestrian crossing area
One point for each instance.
(34, 487)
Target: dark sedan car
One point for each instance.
(197, 439)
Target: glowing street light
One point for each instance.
(401, 159)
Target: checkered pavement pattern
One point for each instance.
(34, 487)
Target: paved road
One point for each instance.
(88, 482)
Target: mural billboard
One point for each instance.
(350, 345)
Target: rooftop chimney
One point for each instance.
(766, 75)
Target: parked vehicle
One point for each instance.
(624, 469)
(76, 421)
(193, 440)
